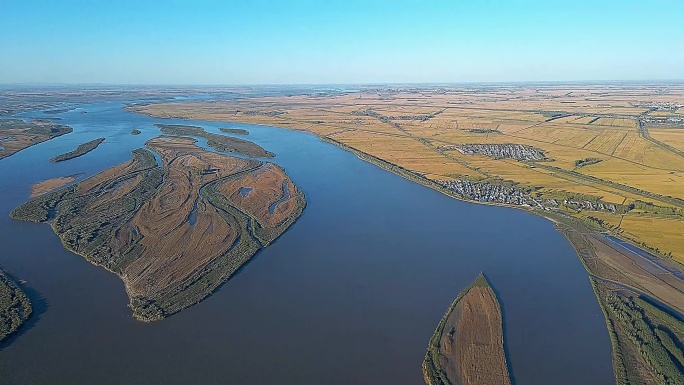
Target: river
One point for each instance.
(350, 294)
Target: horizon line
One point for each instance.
(505, 82)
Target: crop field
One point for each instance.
(410, 127)
(673, 137)
(659, 231)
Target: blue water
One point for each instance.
(350, 294)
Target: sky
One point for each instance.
(338, 42)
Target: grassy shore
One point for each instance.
(648, 205)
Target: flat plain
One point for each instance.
(635, 149)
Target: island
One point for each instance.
(218, 142)
(236, 131)
(15, 307)
(467, 347)
(175, 231)
(135, 131)
(81, 150)
(16, 134)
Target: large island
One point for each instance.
(175, 231)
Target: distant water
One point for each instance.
(349, 295)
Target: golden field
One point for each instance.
(408, 127)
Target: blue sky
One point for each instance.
(292, 42)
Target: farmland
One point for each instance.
(422, 129)
(173, 232)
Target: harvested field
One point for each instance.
(467, 347)
(46, 186)
(404, 129)
(168, 231)
(16, 135)
(81, 150)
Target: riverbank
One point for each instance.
(647, 341)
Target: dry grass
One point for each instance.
(166, 230)
(467, 347)
(666, 234)
(46, 186)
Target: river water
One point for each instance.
(350, 294)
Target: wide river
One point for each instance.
(350, 294)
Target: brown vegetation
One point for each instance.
(167, 230)
(467, 347)
(16, 135)
(48, 185)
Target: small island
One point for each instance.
(218, 142)
(16, 135)
(173, 232)
(467, 347)
(81, 150)
(15, 307)
(135, 131)
(236, 131)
